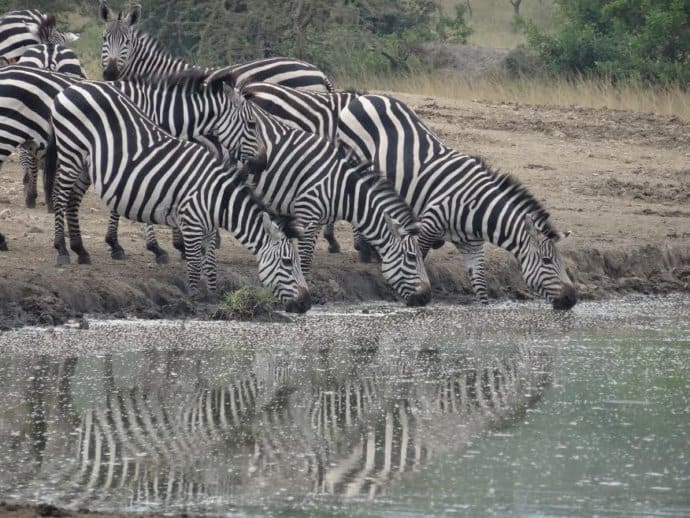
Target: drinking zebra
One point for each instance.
(182, 104)
(164, 180)
(55, 58)
(20, 30)
(130, 52)
(458, 197)
(314, 112)
(308, 177)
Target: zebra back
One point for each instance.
(20, 30)
(53, 57)
(129, 52)
(314, 112)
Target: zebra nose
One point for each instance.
(421, 296)
(110, 72)
(567, 299)
(301, 303)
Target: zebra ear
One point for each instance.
(271, 228)
(531, 226)
(104, 11)
(395, 227)
(224, 74)
(134, 14)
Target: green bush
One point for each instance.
(249, 303)
(626, 40)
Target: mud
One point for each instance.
(619, 180)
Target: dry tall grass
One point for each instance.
(561, 92)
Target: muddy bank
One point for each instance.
(38, 300)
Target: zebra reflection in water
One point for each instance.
(344, 423)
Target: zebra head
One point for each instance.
(46, 32)
(402, 262)
(117, 39)
(541, 262)
(279, 265)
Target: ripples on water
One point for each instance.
(510, 409)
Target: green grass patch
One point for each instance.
(248, 303)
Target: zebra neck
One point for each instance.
(235, 207)
(150, 58)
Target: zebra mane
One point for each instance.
(508, 183)
(379, 185)
(192, 79)
(286, 223)
(46, 26)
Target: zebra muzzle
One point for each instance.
(301, 303)
(421, 296)
(110, 72)
(567, 299)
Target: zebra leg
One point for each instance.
(178, 242)
(29, 163)
(72, 212)
(3, 243)
(116, 251)
(306, 245)
(367, 253)
(152, 245)
(431, 234)
(209, 263)
(192, 248)
(473, 255)
(63, 189)
(329, 235)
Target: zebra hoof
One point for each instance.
(84, 259)
(3, 245)
(30, 203)
(62, 259)
(162, 258)
(334, 249)
(118, 255)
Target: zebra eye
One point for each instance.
(411, 256)
(287, 261)
(546, 260)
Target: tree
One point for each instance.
(644, 40)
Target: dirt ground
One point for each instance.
(619, 181)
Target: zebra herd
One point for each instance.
(267, 150)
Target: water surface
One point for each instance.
(510, 409)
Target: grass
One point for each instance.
(558, 92)
(492, 20)
(248, 302)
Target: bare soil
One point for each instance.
(620, 181)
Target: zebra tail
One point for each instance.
(50, 170)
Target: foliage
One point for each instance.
(638, 40)
(248, 303)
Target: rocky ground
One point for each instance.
(620, 181)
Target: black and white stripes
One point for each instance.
(308, 177)
(458, 197)
(129, 52)
(161, 179)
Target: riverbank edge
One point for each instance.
(598, 274)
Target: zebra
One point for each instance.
(458, 197)
(161, 179)
(314, 112)
(308, 178)
(20, 30)
(56, 58)
(182, 104)
(128, 52)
